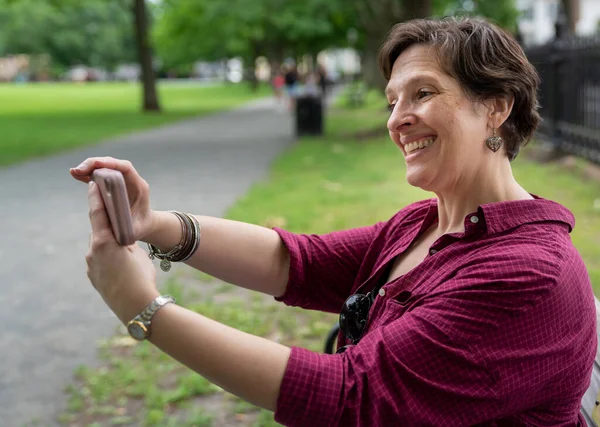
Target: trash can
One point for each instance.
(309, 115)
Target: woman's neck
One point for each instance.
(487, 185)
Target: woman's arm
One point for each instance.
(310, 271)
(248, 366)
(246, 255)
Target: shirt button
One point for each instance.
(432, 252)
(474, 219)
(381, 292)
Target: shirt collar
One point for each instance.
(501, 216)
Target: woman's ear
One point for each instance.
(499, 109)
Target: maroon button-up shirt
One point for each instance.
(495, 327)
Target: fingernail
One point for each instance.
(91, 184)
(81, 166)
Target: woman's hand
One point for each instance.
(123, 275)
(138, 191)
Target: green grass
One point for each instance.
(41, 119)
(318, 185)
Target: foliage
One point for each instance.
(188, 30)
(100, 32)
(374, 18)
(502, 12)
(94, 32)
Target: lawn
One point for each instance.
(41, 119)
(349, 178)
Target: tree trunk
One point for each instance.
(571, 9)
(377, 18)
(145, 56)
(413, 9)
(370, 62)
(250, 66)
(251, 78)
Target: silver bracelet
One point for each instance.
(190, 240)
(196, 236)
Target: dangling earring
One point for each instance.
(494, 142)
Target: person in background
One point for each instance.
(472, 307)
(278, 84)
(291, 78)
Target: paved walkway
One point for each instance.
(50, 315)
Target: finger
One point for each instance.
(78, 177)
(98, 216)
(83, 171)
(90, 164)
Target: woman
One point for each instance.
(472, 308)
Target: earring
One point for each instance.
(494, 142)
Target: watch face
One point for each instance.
(137, 331)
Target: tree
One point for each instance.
(96, 34)
(376, 18)
(189, 30)
(150, 98)
(502, 12)
(571, 11)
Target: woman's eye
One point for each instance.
(390, 107)
(423, 94)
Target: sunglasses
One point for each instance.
(353, 318)
(355, 312)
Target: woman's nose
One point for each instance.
(400, 119)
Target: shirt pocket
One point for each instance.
(396, 307)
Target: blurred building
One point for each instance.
(127, 72)
(12, 67)
(340, 62)
(538, 18)
(231, 70)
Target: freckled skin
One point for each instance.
(436, 104)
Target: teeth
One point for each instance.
(415, 145)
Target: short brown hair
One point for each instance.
(487, 62)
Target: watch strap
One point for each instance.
(146, 315)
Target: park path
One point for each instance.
(51, 317)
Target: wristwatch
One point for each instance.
(139, 326)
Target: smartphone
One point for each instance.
(114, 193)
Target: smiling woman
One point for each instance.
(470, 308)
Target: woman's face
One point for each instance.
(440, 131)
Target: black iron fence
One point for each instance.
(570, 94)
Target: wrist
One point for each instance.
(136, 305)
(154, 225)
(171, 230)
(140, 327)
